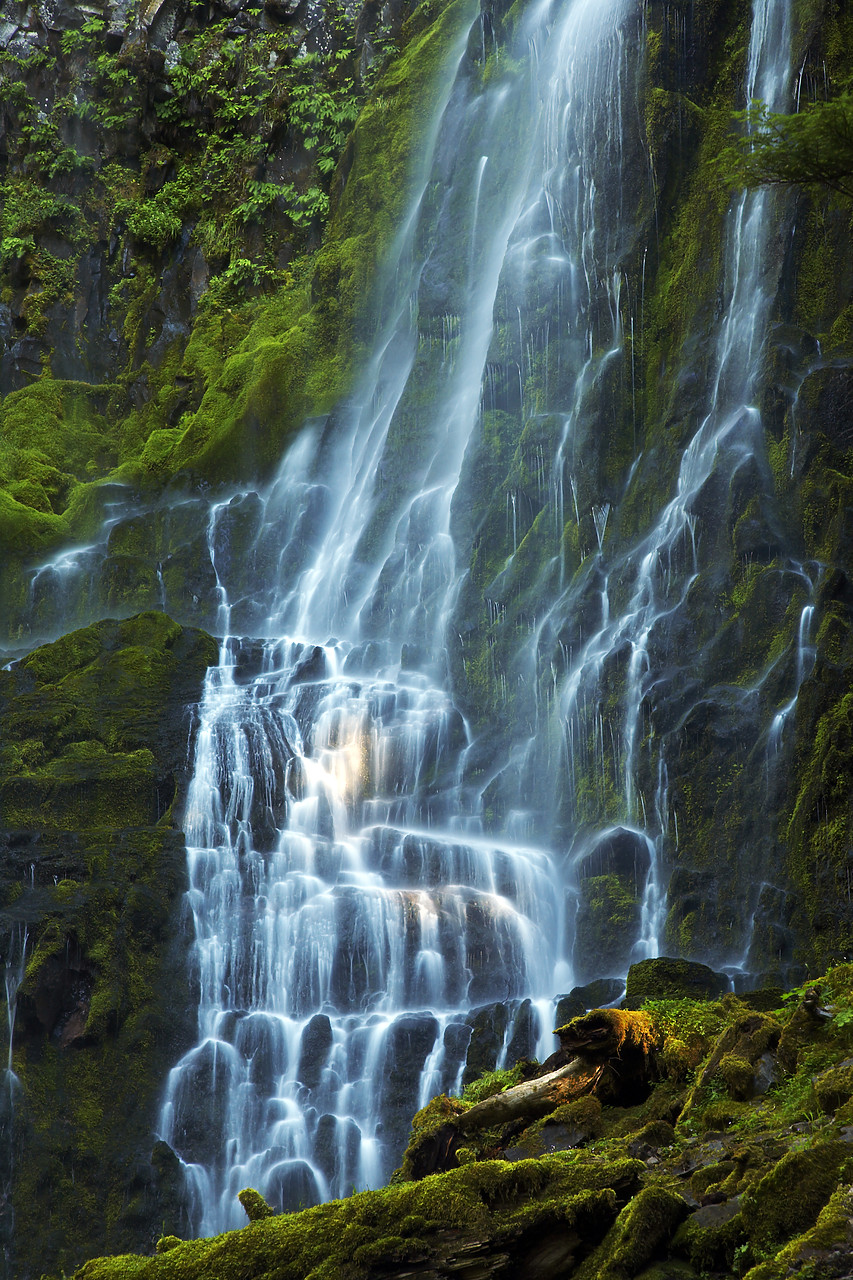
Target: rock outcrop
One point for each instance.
(675, 1187)
(94, 937)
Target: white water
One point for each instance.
(349, 906)
(655, 577)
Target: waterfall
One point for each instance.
(622, 609)
(352, 907)
(376, 878)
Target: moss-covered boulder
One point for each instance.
(643, 1226)
(789, 1198)
(665, 978)
(834, 1087)
(536, 1217)
(824, 1250)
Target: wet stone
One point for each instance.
(524, 1035)
(311, 666)
(336, 1148)
(314, 1051)
(666, 978)
(715, 1215)
(488, 1027)
(594, 995)
(293, 1185)
(768, 1072)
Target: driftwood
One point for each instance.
(530, 1100)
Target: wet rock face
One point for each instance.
(611, 869)
(93, 937)
(81, 328)
(667, 979)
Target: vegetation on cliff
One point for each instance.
(93, 759)
(170, 312)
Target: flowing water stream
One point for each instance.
(350, 909)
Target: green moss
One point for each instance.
(92, 732)
(582, 1118)
(642, 1227)
(710, 1246)
(789, 1198)
(738, 1074)
(165, 1243)
(437, 1115)
(834, 1087)
(490, 1083)
(829, 1238)
(819, 826)
(256, 367)
(659, 984)
(254, 1204)
(608, 917)
(343, 1240)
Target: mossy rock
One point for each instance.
(665, 978)
(93, 759)
(739, 1076)
(709, 1237)
(567, 1127)
(514, 1207)
(825, 1249)
(643, 1226)
(669, 1269)
(835, 1086)
(720, 1115)
(789, 1198)
(254, 1204)
(165, 1243)
(652, 1137)
(435, 1139)
(103, 702)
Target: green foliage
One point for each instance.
(810, 148)
(491, 1083)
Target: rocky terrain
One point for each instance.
(688, 1138)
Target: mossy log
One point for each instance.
(530, 1100)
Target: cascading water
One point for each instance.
(350, 907)
(621, 609)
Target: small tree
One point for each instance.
(813, 147)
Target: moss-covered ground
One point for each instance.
(711, 1175)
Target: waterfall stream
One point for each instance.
(351, 909)
(655, 576)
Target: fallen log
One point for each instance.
(532, 1099)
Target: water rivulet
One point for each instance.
(350, 908)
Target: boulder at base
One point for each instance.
(667, 979)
